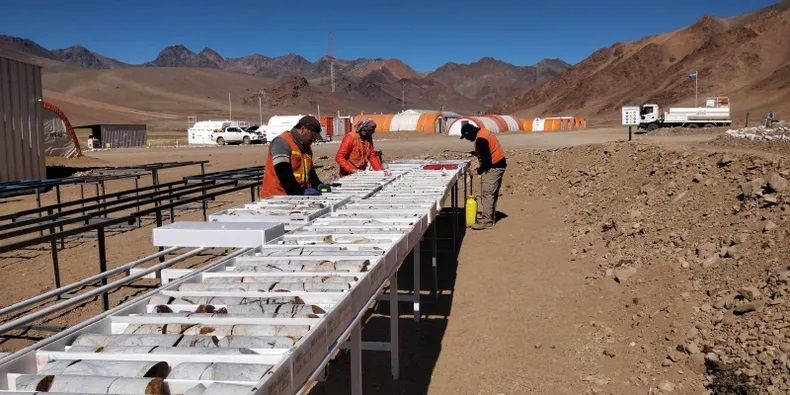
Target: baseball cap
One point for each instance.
(312, 125)
(468, 128)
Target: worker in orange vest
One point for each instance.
(491, 169)
(356, 150)
(289, 161)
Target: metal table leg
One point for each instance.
(434, 263)
(356, 359)
(416, 260)
(394, 316)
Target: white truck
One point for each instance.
(223, 132)
(715, 113)
(236, 135)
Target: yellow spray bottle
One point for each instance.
(471, 209)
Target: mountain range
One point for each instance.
(183, 82)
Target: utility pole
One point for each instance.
(332, 75)
(332, 85)
(230, 108)
(260, 112)
(403, 95)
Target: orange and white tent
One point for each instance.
(493, 122)
(424, 121)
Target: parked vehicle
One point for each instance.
(715, 113)
(222, 132)
(236, 135)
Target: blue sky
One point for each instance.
(425, 34)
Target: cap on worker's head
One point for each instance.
(468, 128)
(312, 125)
(366, 124)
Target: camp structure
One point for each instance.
(424, 121)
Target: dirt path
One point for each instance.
(514, 315)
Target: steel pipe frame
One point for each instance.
(86, 281)
(102, 197)
(104, 208)
(40, 184)
(37, 185)
(100, 229)
(233, 187)
(96, 320)
(9, 325)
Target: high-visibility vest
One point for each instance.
(301, 163)
(360, 152)
(497, 152)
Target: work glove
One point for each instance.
(311, 192)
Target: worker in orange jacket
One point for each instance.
(491, 169)
(356, 150)
(289, 161)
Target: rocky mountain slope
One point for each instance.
(744, 57)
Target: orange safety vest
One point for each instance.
(360, 152)
(497, 152)
(301, 163)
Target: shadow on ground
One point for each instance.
(420, 342)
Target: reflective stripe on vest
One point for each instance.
(497, 152)
(299, 171)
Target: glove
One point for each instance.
(311, 192)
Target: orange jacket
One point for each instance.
(302, 164)
(355, 153)
(497, 152)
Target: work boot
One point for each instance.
(481, 226)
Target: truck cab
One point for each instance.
(648, 114)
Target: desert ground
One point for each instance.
(658, 265)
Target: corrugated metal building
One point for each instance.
(21, 149)
(118, 135)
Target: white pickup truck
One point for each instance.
(236, 135)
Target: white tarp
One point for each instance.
(455, 127)
(538, 124)
(405, 121)
(57, 140)
(513, 124)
